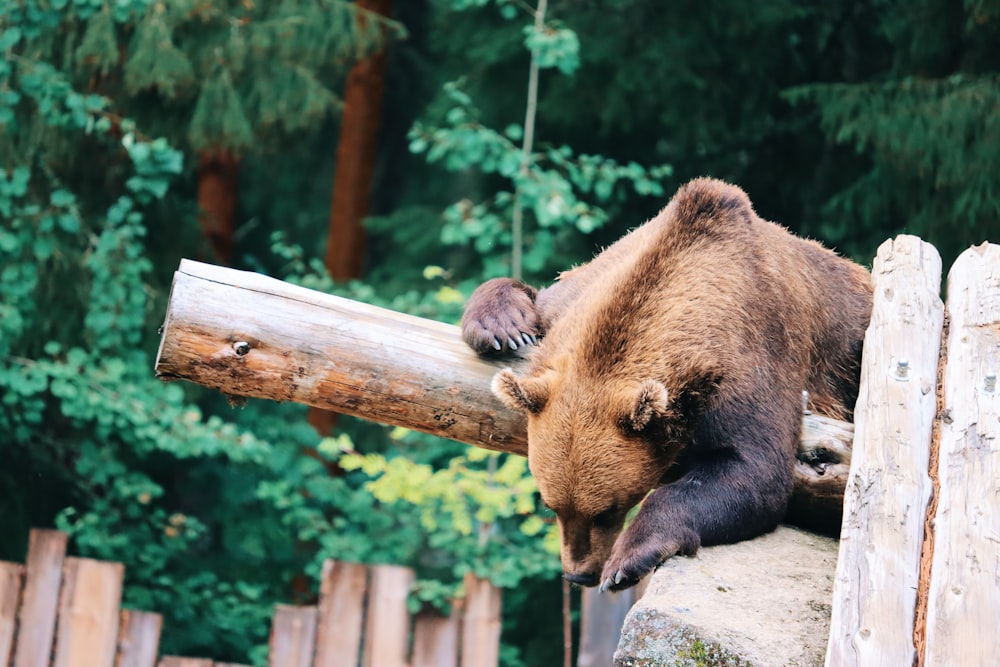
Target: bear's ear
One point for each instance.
(649, 402)
(523, 394)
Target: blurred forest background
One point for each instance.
(134, 133)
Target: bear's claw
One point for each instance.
(607, 584)
(631, 560)
(501, 316)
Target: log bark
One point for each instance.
(964, 594)
(357, 151)
(218, 181)
(249, 335)
(875, 589)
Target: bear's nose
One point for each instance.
(584, 579)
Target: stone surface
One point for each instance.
(760, 603)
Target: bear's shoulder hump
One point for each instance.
(709, 202)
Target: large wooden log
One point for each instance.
(249, 335)
(875, 589)
(964, 595)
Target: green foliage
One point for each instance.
(97, 51)
(475, 513)
(554, 46)
(219, 119)
(248, 69)
(926, 124)
(156, 63)
(566, 194)
(137, 471)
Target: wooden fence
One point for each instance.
(918, 573)
(59, 611)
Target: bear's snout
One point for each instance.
(581, 578)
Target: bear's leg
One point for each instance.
(501, 316)
(736, 487)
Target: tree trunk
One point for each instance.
(218, 178)
(356, 154)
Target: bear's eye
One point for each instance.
(606, 519)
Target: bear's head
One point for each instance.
(595, 449)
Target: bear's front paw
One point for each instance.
(500, 317)
(626, 567)
(642, 546)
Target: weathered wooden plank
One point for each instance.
(11, 578)
(387, 637)
(963, 615)
(293, 636)
(180, 661)
(138, 638)
(601, 619)
(481, 623)
(435, 640)
(249, 335)
(87, 632)
(341, 614)
(888, 488)
(43, 576)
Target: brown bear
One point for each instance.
(675, 362)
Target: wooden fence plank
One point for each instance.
(341, 614)
(481, 623)
(11, 577)
(388, 622)
(87, 632)
(888, 488)
(963, 614)
(601, 619)
(43, 576)
(435, 640)
(293, 636)
(180, 661)
(138, 638)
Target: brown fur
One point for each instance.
(679, 354)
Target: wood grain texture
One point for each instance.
(888, 488)
(11, 578)
(293, 636)
(249, 335)
(331, 353)
(387, 637)
(481, 623)
(341, 614)
(138, 638)
(435, 640)
(963, 615)
(87, 633)
(40, 601)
